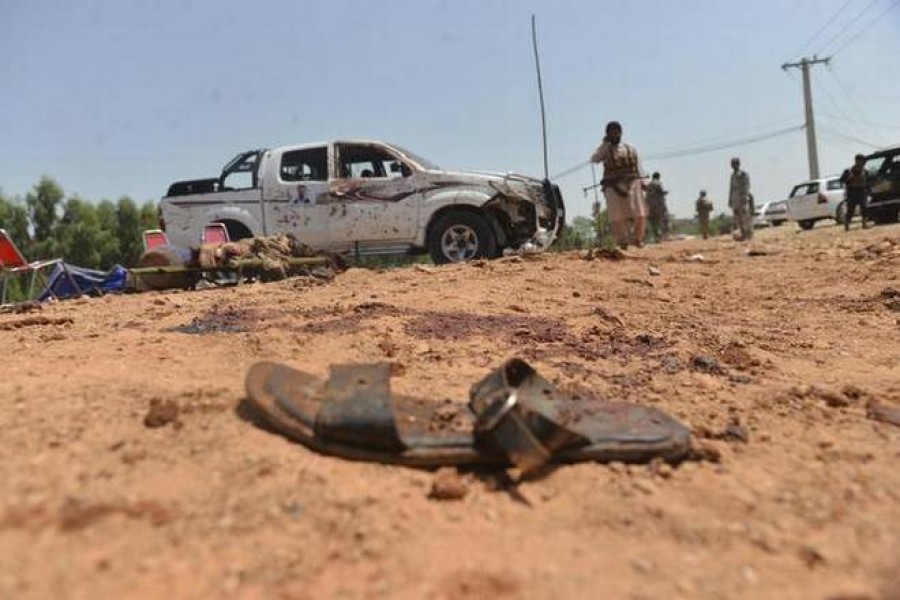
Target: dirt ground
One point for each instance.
(127, 471)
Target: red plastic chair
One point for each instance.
(14, 265)
(154, 238)
(214, 233)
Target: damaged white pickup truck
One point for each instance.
(364, 198)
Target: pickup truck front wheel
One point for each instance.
(461, 236)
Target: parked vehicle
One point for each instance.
(816, 200)
(367, 197)
(883, 168)
(770, 214)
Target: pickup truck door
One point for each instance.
(375, 195)
(295, 194)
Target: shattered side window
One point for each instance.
(368, 161)
(309, 164)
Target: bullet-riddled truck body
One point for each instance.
(367, 197)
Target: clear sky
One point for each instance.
(114, 97)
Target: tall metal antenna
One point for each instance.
(537, 64)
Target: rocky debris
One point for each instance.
(607, 316)
(654, 271)
(885, 413)
(605, 254)
(832, 398)
(161, 413)
(887, 248)
(21, 307)
(448, 485)
(35, 321)
(735, 432)
(707, 364)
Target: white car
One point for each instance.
(770, 214)
(816, 200)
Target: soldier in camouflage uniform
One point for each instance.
(740, 200)
(704, 208)
(856, 190)
(656, 205)
(622, 186)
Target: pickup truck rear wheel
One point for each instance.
(806, 224)
(460, 236)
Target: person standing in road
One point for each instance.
(704, 208)
(656, 206)
(740, 200)
(622, 186)
(856, 190)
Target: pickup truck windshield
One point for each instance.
(422, 162)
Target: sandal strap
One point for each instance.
(357, 410)
(518, 413)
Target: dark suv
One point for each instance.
(883, 168)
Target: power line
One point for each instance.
(849, 26)
(726, 139)
(724, 145)
(866, 121)
(823, 28)
(849, 137)
(853, 104)
(866, 26)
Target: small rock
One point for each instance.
(707, 364)
(696, 258)
(654, 271)
(811, 556)
(852, 391)
(832, 398)
(161, 413)
(448, 485)
(736, 432)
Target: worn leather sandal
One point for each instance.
(514, 417)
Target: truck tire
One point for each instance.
(806, 224)
(459, 236)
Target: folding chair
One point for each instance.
(13, 265)
(154, 238)
(214, 233)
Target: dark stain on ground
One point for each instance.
(222, 320)
(455, 326)
(350, 319)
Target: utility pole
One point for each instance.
(804, 65)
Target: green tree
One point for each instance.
(128, 231)
(14, 219)
(78, 236)
(43, 203)
(109, 225)
(149, 215)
